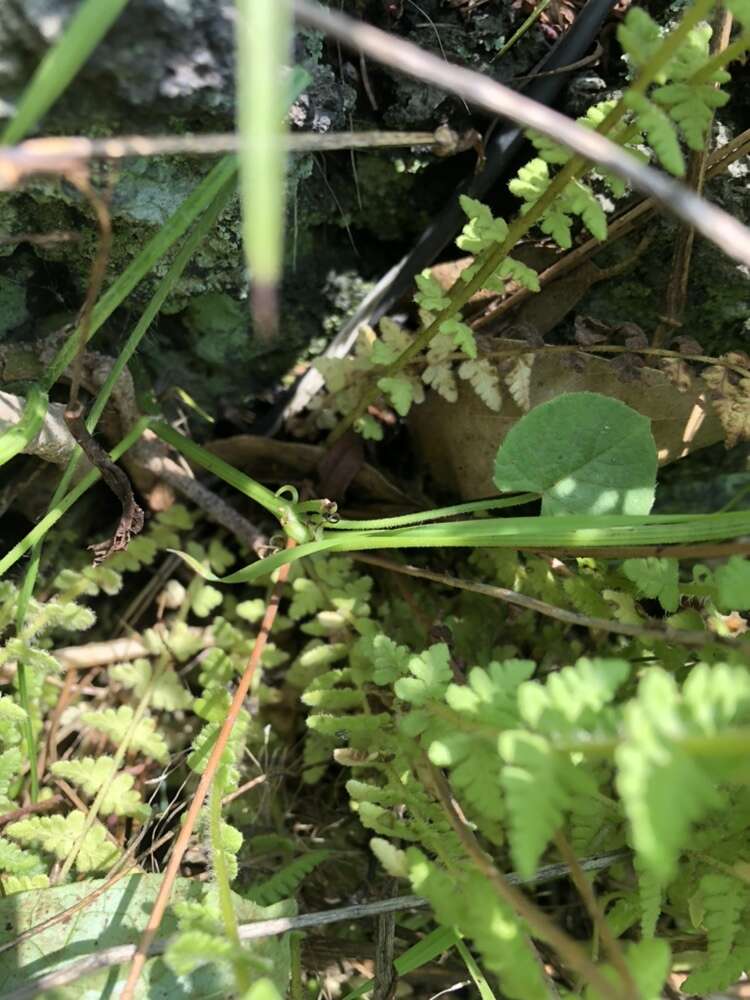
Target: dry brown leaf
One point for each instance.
(277, 462)
(730, 395)
(457, 442)
(678, 373)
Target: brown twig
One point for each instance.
(183, 840)
(617, 228)
(120, 954)
(714, 223)
(67, 154)
(539, 923)
(672, 635)
(677, 286)
(585, 891)
(80, 179)
(32, 809)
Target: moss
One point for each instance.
(13, 311)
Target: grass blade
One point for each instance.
(263, 45)
(87, 27)
(15, 439)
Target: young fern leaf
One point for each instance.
(461, 334)
(659, 131)
(537, 797)
(650, 766)
(90, 774)
(640, 36)
(692, 108)
(55, 834)
(167, 692)
(430, 295)
(474, 908)
(655, 578)
(10, 769)
(284, 883)
(723, 900)
(114, 723)
(650, 893)
(572, 698)
(18, 861)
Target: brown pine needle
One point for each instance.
(183, 840)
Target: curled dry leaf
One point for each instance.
(678, 373)
(457, 442)
(730, 394)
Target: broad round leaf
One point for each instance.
(585, 453)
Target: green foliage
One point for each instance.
(55, 834)
(655, 578)
(585, 453)
(471, 905)
(732, 580)
(117, 723)
(92, 774)
(166, 690)
(284, 883)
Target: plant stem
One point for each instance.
(221, 872)
(490, 259)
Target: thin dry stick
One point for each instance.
(79, 178)
(715, 224)
(66, 153)
(611, 944)
(619, 227)
(182, 842)
(259, 929)
(678, 636)
(539, 923)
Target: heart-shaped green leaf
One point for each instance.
(585, 453)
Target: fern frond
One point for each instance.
(91, 774)
(536, 797)
(189, 950)
(23, 883)
(650, 892)
(17, 861)
(167, 691)
(659, 131)
(639, 35)
(722, 901)
(692, 108)
(285, 882)
(473, 907)
(56, 834)
(574, 697)
(482, 377)
(114, 723)
(10, 769)
(651, 766)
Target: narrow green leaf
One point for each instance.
(15, 439)
(87, 27)
(263, 44)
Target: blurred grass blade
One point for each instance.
(58, 67)
(485, 990)
(15, 439)
(264, 29)
(210, 201)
